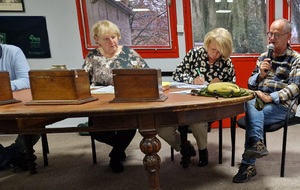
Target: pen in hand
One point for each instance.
(200, 80)
(198, 71)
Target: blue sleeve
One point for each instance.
(19, 71)
(275, 97)
(252, 82)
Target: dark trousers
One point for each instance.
(15, 153)
(20, 143)
(119, 140)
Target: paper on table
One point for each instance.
(181, 92)
(185, 85)
(103, 90)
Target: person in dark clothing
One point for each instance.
(99, 63)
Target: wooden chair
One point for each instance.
(270, 128)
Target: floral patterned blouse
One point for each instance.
(198, 58)
(100, 67)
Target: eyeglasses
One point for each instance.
(275, 35)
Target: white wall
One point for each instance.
(63, 31)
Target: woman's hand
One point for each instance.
(198, 80)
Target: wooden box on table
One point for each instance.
(6, 96)
(59, 87)
(137, 85)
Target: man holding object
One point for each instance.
(276, 81)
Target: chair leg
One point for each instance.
(93, 150)
(220, 141)
(283, 151)
(233, 133)
(45, 148)
(172, 154)
(265, 139)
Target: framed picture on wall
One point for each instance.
(12, 6)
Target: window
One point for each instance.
(295, 20)
(148, 26)
(246, 20)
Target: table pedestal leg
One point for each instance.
(150, 146)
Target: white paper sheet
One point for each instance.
(102, 89)
(185, 85)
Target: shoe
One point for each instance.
(191, 149)
(203, 158)
(258, 150)
(121, 156)
(190, 153)
(82, 133)
(245, 172)
(20, 162)
(116, 166)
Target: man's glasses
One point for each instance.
(275, 35)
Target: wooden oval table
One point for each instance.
(178, 109)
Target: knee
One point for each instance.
(167, 132)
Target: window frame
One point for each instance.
(171, 52)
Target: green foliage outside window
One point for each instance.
(245, 19)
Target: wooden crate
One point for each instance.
(136, 85)
(6, 95)
(59, 87)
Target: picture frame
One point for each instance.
(12, 6)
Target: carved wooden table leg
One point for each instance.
(185, 159)
(30, 157)
(150, 145)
